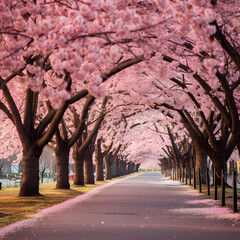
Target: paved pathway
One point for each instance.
(137, 208)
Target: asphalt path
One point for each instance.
(136, 208)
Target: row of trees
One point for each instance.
(49, 53)
(179, 58)
(210, 115)
(194, 82)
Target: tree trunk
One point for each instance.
(218, 162)
(128, 168)
(201, 162)
(78, 168)
(120, 168)
(124, 168)
(108, 172)
(30, 172)
(62, 159)
(99, 167)
(88, 168)
(116, 168)
(136, 167)
(132, 167)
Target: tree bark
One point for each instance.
(62, 158)
(108, 169)
(132, 167)
(116, 168)
(124, 168)
(78, 168)
(88, 167)
(128, 168)
(201, 162)
(99, 161)
(136, 167)
(30, 172)
(99, 167)
(218, 162)
(120, 168)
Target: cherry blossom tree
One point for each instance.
(46, 50)
(99, 156)
(198, 51)
(59, 51)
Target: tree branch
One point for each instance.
(15, 114)
(219, 36)
(4, 108)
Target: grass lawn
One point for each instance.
(14, 208)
